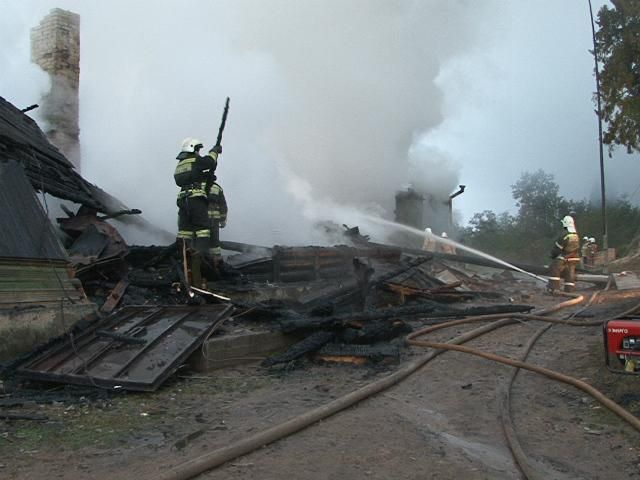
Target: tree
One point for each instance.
(618, 51)
(540, 207)
(528, 236)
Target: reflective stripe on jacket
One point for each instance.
(567, 247)
(194, 174)
(217, 203)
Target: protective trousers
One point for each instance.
(193, 229)
(564, 268)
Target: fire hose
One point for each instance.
(509, 430)
(217, 457)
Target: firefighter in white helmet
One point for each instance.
(194, 174)
(593, 250)
(429, 243)
(566, 256)
(445, 246)
(585, 249)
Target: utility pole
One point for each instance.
(605, 242)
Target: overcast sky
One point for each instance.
(335, 105)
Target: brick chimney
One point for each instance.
(55, 47)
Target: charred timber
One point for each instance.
(430, 310)
(375, 331)
(349, 294)
(310, 344)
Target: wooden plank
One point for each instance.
(37, 296)
(115, 296)
(626, 281)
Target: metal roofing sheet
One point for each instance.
(25, 230)
(136, 348)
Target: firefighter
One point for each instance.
(585, 250)
(429, 243)
(217, 210)
(593, 251)
(194, 175)
(446, 247)
(566, 256)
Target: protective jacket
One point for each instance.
(567, 247)
(217, 205)
(194, 174)
(566, 255)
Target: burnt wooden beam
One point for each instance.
(348, 294)
(115, 296)
(310, 344)
(430, 310)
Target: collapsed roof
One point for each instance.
(47, 169)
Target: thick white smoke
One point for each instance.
(330, 103)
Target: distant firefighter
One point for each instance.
(566, 256)
(430, 244)
(593, 246)
(585, 251)
(446, 247)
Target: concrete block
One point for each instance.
(22, 329)
(235, 349)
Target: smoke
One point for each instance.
(21, 83)
(59, 118)
(331, 103)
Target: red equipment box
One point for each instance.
(622, 346)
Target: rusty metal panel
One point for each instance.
(136, 348)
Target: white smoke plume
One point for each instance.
(330, 103)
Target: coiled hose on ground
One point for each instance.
(521, 459)
(215, 458)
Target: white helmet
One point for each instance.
(190, 145)
(585, 238)
(444, 235)
(568, 223)
(427, 230)
(592, 240)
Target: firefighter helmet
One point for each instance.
(569, 224)
(592, 240)
(191, 145)
(444, 235)
(428, 230)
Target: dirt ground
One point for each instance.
(440, 423)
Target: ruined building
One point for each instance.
(419, 210)
(55, 47)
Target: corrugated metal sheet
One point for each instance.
(25, 230)
(136, 348)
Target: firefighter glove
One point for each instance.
(217, 149)
(223, 223)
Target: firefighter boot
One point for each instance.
(553, 285)
(196, 269)
(216, 262)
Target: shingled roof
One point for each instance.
(46, 168)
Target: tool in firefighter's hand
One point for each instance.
(218, 146)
